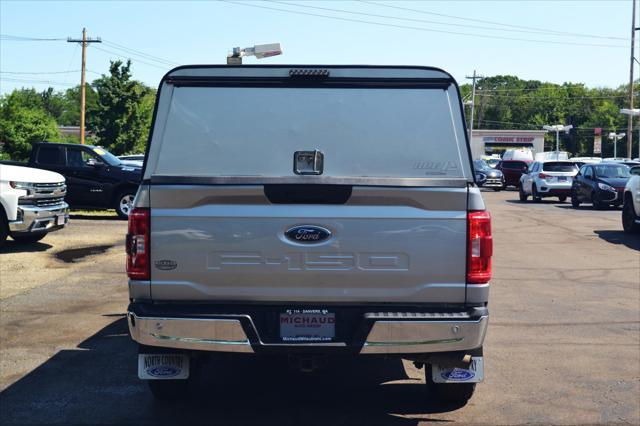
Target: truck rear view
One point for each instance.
(309, 212)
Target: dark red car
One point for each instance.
(512, 170)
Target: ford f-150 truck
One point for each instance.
(309, 212)
(31, 203)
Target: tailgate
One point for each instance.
(372, 163)
(230, 243)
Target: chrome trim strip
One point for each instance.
(215, 334)
(398, 336)
(309, 179)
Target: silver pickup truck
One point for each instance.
(310, 212)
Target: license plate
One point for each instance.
(562, 179)
(473, 374)
(307, 325)
(163, 366)
(60, 219)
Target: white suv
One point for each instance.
(631, 207)
(547, 179)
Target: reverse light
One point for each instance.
(479, 247)
(137, 244)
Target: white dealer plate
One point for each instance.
(60, 219)
(307, 325)
(474, 374)
(163, 366)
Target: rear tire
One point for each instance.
(534, 194)
(169, 390)
(457, 393)
(629, 217)
(28, 239)
(497, 189)
(523, 196)
(563, 198)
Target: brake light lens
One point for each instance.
(480, 247)
(138, 244)
(543, 176)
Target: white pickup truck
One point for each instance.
(31, 203)
(313, 213)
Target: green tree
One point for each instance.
(20, 127)
(121, 117)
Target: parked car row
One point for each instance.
(35, 197)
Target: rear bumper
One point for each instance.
(365, 333)
(32, 219)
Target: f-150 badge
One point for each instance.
(307, 234)
(166, 265)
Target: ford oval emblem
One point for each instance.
(308, 234)
(458, 375)
(163, 371)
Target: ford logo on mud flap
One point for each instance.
(458, 375)
(162, 371)
(307, 234)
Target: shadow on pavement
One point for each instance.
(97, 383)
(543, 202)
(620, 237)
(11, 246)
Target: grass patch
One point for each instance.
(101, 213)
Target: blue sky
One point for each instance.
(204, 31)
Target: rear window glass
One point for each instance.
(48, 155)
(559, 167)
(517, 165)
(612, 171)
(256, 131)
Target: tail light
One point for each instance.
(543, 176)
(138, 244)
(480, 247)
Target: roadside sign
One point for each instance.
(597, 140)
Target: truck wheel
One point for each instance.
(457, 393)
(629, 217)
(28, 239)
(562, 198)
(124, 203)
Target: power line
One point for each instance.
(568, 96)
(9, 37)
(541, 30)
(540, 125)
(449, 24)
(127, 57)
(139, 53)
(21, 80)
(37, 73)
(362, 21)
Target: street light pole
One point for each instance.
(558, 128)
(615, 137)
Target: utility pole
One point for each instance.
(473, 100)
(84, 42)
(633, 40)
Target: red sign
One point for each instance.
(597, 131)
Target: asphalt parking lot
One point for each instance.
(563, 345)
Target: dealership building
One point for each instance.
(487, 142)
